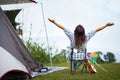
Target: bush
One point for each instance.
(38, 52)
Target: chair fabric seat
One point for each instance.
(78, 56)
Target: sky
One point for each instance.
(89, 13)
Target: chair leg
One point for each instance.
(71, 67)
(71, 61)
(84, 68)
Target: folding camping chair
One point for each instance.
(80, 58)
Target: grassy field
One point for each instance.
(113, 73)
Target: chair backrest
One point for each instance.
(78, 55)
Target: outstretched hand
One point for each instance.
(104, 26)
(109, 24)
(56, 23)
(51, 20)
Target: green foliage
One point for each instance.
(20, 31)
(60, 58)
(110, 57)
(38, 52)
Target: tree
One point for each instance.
(61, 57)
(109, 57)
(38, 52)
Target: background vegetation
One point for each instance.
(40, 54)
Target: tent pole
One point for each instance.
(46, 33)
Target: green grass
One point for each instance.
(113, 73)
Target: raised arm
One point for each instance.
(56, 23)
(104, 26)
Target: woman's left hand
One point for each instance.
(109, 24)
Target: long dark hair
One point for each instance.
(79, 36)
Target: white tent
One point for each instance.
(9, 63)
(15, 59)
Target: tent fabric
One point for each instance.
(9, 63)
(3, 2)
(10, 41)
